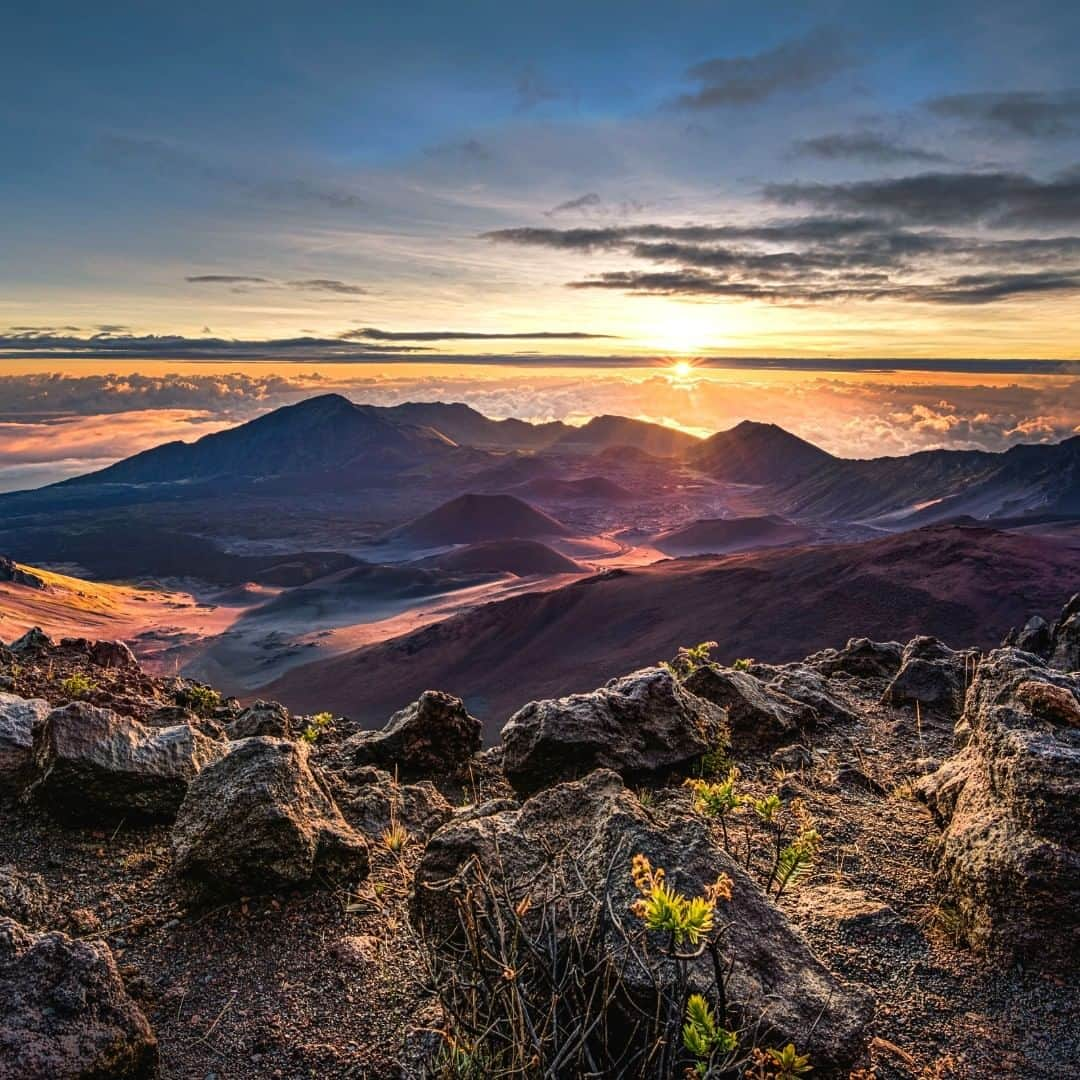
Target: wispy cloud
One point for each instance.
(1031, 114)
(865, 146)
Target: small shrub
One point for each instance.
(703, 1035)
(396, 837)
(77, 685)
(687, 919)
(744, 663)
(689, 658)
(316, 726)
(717, 799)
(201, 700)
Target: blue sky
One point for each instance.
(370, 165)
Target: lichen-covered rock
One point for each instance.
(758, 716)
(587, 833)
(372, 802)
(18, 717)
(640, 725)
(814, 690)
(66, 1014)
(860, 658)
(24, 897)
(432, 736)
(89, 762)
(1010, 851)
(931, 675)
(260, 817)
(261, 718)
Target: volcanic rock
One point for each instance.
(810, 687)
(12, 572)
(23, 896)
(18, 717)
(639, 725)
(35, 640)
(66, 1013)
(587, 833)
(757, 715)
(261, 718)
(261, 818)
(89, 762)
(931, 675)
(860, 658)
(372, 802)
(432, 736)
(1010, 851)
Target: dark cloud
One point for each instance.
(370, 333)
(226, 279)
(1034, 114)
(746, 80)
(937, 198)
(328, 285)
(865, 146)
(589, 201)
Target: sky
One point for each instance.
(540, 195)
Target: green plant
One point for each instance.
(316, 725)
(687, 919)
(689, 658)
(77, 685)
(788, 1064)
(717, 799)
(201, 700)
(767, 808)
(744, 663)
(396, 837)
(703, 1035)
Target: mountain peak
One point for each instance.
(757, 453)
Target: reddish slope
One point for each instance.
(722, 535)
(521, 557)
(470, 519)
(967, 585)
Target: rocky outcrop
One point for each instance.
(587, 833)
(433, 736)
(1010, 851)
(261, 718)
(90, 762)
(112, 654)
(10, 571)
(66, 1014)
(931, 675)
(23, 896)
(261, 818)
(372, 802)
(758, 716)
(1058, 643)
(640, 725)
(18, 717)
(860, 658)
(34, 641)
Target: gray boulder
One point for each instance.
(1010, 852)
(34, 641)
(66, 1014)
(112, 654)
(23, 896)
(810, 687)
(90, 762)
(860, 658)
(261, 818)
(372, 801)
(640, 725)
(758, 715)
(568, 850)
(434, 735)
(261, 718)
(18, 717)
(931, 675)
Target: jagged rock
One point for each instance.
(261, 818)
(757, 715)
(587, 832)
(1010, 851)
(12, 572)
(35, 640)
(860, 658)
(931, 675)
(371, 801)
(261, 718)
(66, 1014)
(1034, 637)
(18, 716)
(112, 654)
(1059, 643)
(639, 725)
(89, 761)
(795, 757)
(23, 896)
(805, 685)
(434, 735)
(1065, 654)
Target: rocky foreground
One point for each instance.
(866, 864)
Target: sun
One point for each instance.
(682, 369)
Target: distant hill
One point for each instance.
(466, 426)
(939, 485)
(965, 585)
(721, 535)
(602, 432)
(522, 557)
(753, 453)
(599, 488)
(472, 518)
